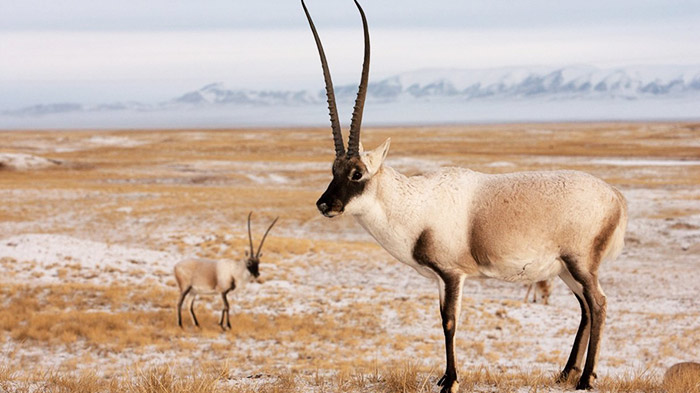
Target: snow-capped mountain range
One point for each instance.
(577, 82)
(456, 87)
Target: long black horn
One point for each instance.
(264, 236)
(354, 138)
(332, 109)
(250, 237)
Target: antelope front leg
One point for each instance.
(224, 313)
(179, 305)
(450, 307)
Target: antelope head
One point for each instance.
(253, 261)
(352, 170)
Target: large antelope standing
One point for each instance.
(456, 224)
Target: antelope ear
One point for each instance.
(361, 148)
(374, 159)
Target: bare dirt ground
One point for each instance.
(91, 224)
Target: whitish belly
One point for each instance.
(204, 290)
(523, 270)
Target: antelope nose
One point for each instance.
(322, 207)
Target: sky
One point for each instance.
(103, 51)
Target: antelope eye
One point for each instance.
(357, 175)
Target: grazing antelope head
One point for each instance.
(352, 170)
(253, 261)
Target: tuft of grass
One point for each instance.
(640, 381)
(407, 378)
(163, 379)
(56, 382)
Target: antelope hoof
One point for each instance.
(584, 384)
(449, 384)
(565, 374)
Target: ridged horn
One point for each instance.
(264, 236)
(354, 138)
(250, 237)
(332, 109)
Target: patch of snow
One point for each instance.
(117, 141)
(49, 253)
(270, 178)
(500, 164)
(193, 240)
(23, 162)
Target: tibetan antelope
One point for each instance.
(456, 224)
(204, 276)
(544, 288)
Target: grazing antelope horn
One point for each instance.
(354, 138)
(264, 236)
(250, 237)
(332, 109)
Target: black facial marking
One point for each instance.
(344, 186)
(253, 266)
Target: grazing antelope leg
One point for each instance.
(545, 288)
(527, 294)
(194, 317)
(450, 307)
(179, 305)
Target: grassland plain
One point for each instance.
(88, 240)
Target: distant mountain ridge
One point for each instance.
(523, 83)
(432, 96)
(454, 85)
(576, 82)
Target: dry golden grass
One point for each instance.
(397, 378)
(97, 317)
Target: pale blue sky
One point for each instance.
(80, 50)
(265, 14)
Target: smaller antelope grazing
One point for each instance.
(197, 276)
(544, 288)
